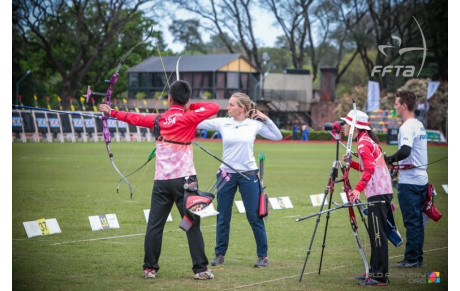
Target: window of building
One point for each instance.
(233, 80)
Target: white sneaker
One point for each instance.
(205, 275)
(149, 273)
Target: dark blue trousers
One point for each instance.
(250, 194)
(412, 200)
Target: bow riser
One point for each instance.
(112, 82)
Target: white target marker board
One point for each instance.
(41, 227)
(343, 195)
(280, 202)
(240, 206)
(147, 213)
(317, 199)
(103, 221)
(444, 186)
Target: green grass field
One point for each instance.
(72, 181)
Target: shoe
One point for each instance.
(150, 273)
(362, 277)
(261, 262)
(406, 264)
(218, 260)
(372, 282)
(205, 275)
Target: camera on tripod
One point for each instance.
(334, 126)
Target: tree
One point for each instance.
(435, 28)
(227, 17)
(294, 19)
(355, 75)
(74, 36)
(437, 111)
(186, 31)
(280, 59)
(312, 32)
(389, 26)
(358, 94)
(217, 45)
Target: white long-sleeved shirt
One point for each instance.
(238, 140)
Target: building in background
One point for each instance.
(211, 76)
(285, 97)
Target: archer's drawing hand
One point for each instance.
(256, 114)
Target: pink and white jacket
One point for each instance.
(173, 160)
(376, 179)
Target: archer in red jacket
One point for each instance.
(174, 162)
(376, 183)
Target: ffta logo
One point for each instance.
(407, 71)
(433, 277)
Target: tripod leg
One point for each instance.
(313, 235)
(329, 187)
(325, 233)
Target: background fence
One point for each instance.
(39, 126)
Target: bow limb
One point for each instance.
(347, 166)
(106, 133)
(150, 157)
(177, 68)
(119, 172)
(350, 136)
(166, 75)
(108, 101)
(348, 190)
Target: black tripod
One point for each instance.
(330, 189)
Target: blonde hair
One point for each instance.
(244, 101)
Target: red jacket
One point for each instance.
(376, 179)
(173, 160)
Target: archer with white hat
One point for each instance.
(376, 183)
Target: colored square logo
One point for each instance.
(41, 122)
(77, 122)
(89, 123)
(54, 122)
(433, 277)
(17, 121)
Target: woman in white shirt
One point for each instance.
(239, 131)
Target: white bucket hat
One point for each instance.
(362, 120)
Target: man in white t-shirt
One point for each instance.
(412, 160)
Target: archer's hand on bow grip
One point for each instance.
(104, 108)
(353, 196)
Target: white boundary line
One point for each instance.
(115, 237)
(292, 276)
(279, 279)
(96, 239)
